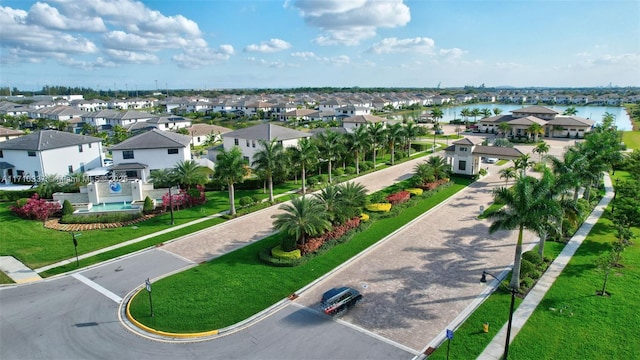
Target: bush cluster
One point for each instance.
(433, 185)
(378, 207)
(337, 232)
(35, 208)
(415, 191)
(99, 218)
(399, 197)
(277, 252)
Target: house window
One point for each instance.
(462, 165)
(131, 174)
(1, 154)
(236, 142)
(464, 149)
(279, 142)
(198, 139)
(31, 153)
(127, 154)
(80, 148)
(172, 151)
(253, 143)
(81, 167)
(248, 143)
(70, 169)
(36, 175)
(246, 158)
(89, 145)
(166, 126)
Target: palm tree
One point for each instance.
(330, 198)
(570, 111)
(508, 173)
(504, 128)
(541, 149)
(522, 163)
(439, 166)
(353, 197)
(305, 155)
(231, 169)
(303, 217)
(486, 112)
(330, 145)
(49, 185)
(358, 141)
(411, 131)
(475, 113)
(268, 159)
(189, 172)
(376, 135)
(497, 111)
(162, 177)
(437, 114)
(465, 113)
(525, 206)
(424, 173)
(535, 129)
(394, 134)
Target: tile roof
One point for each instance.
(364, 119)
(266, 132)
(535, 110)
(47, 140)
(570, 121)
(154, 139)
(527, 121)
(206, 129)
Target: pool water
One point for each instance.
(105, 207)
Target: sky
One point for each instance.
(223, 44)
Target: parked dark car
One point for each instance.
(338, 300)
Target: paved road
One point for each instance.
(415, 283)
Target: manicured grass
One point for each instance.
(490, 210)
(631, 139)
(237, 285)
(4, 279)
(502, 162)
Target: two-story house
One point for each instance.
(248, 139)
(48, 152)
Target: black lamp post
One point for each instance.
(75, 246)
(513, 301)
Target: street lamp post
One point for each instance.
(75, 246)
(513, 301)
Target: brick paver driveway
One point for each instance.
(415, 282)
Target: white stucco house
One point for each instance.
(135, 157)
(200, 133)
(353, 122)
(247, 140)
(464, 156)
(48, 152)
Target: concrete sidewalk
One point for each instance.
(495, 349)
(17, 271)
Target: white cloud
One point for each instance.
(99, 63)
(394, 45)
(453, 53)
(133, 57)
(621, 59)
(195, 58)
(306, 55)
(45, 15)
(348, 22)
(273, 45)
(337, 60)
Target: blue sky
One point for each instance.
(212, 44)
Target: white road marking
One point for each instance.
(98, 288)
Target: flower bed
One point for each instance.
(379, 207)
(433, 185)
(399, 197)
(415, 191)
(364, 217)
(337, 232)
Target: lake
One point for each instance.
(595, 113)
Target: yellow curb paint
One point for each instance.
(164, 333)
(31, 279)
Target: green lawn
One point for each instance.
(631, 139)
(207, 297)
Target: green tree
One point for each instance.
(188, 173)
(535, 129)
(475, 113)
(504, 128)
(120, 134)
(439, 167)
(497, 111)
(358, 142)
(571, 110)
(162, 178)
(486, 112)
(304, 155)
(437, 114)
(231, 169)
(268, 159)
(353, 196)
(330, 146)
(302, 218)
(508, 173)
(541, 149)
(330, 198)
(394, 134)
(376, 136)
(411, 131)
(522, 163)
(527, 206)
(49, 185)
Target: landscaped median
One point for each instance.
(237, 285)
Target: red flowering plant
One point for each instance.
(36, 208)
(185, 198)
(399, 197)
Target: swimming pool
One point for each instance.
(123, 207)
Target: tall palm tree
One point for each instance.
(394, 134)
(353, 197)
(376, 135)
(268, 159)
(541, 149)
(535, 129)
(162, 177)
(497, 111)
(358, 141)
(508, 173)
(189, 172)
(305, 155)
(437, 114)
(465, 113)
(303, 217)
(522, 163)
(330, 198)
(231, 169)
(330, 145)
(475, 113)
(411, 131)
(526, 207)
(486, 112)
(570, 111)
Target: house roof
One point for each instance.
(497, 151)
(570, 121)
(527, 121)
(535, 110)
(464, 141)
(129, 166)
(300, 112)
(266, 132)
(10, 132)
(206, 129)
(497, 119)
(154, 139)
(47, 140)
(363, 119)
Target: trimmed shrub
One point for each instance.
(366, 166)
(482, 172)
(246, 201)
(67, 208)
(364, 217)
(147, 207)
(526, 282)
(338, 172)
(312, 180)
(289, 243)
(350, 170)
(35, 208)
(415, 191)
(256, 198)
(526, 268)
(281, 254)
(399, 197)
(99, 218)
(533, 257)
(378, 207)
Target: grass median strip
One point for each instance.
(237, 285)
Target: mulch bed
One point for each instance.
(55, 224)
